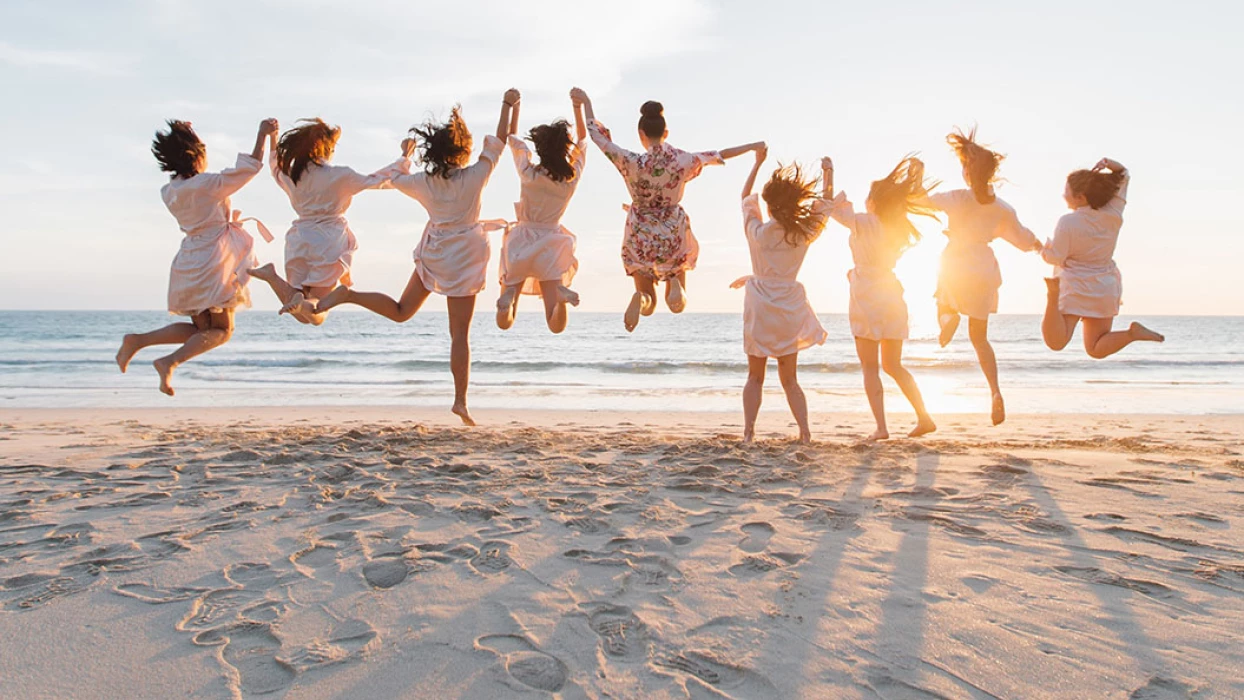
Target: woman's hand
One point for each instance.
(762, 152)
(268, 127)
(1113, 166)
(578, 96)
(827, 163)
(512, 96)
(408, 147)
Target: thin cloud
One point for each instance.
(91, 62)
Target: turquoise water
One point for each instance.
(692, 362)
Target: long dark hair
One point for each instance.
(789, 197)
(1097, 187)
(895, 197)
(312, 141)
(652, 119)
(178, 150)
(980, 163)
(553, 145)
(443, 147)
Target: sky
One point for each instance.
(1054, 85)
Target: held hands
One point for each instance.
(1113, 166)
(269, 127)
(512, 96)
(827, 163)
(577, 96)
(408, 147)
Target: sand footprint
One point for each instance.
(622, 634)
(757, 536)
(715, 672)
(525, 662)
(756, 564)
(155, 595)
(250, 650)
(350, 639)
(493, 558)
(386, 570)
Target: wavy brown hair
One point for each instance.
(789, 196)
(178, 150)
(445, 147)
(1096, 186)
(896, 197)
(312, 141)
(979, 163)
(553, 144)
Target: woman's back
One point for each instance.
(543, 200)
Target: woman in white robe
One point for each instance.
(452, 256)
(208, 278)
(1087, 285)
(319, 246)
(537, 252)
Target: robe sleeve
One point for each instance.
(620, 157)
(842, 211)
(231, 180)
(522, 156)
(1015, 233)
(1058, 249)
(1116, 204)
(753, 219)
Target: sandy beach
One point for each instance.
(386, 552)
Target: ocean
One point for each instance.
(692, 362)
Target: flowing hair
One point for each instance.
(789, 197)
(444, 147)
(178, 150)
(897, 196)
(979, 163)
(1097, 187)
(312, 141)
(553, 144)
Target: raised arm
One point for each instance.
(750, 183)
(579, 98)
(827, 178)
(518, 100)
(729, 153)
(508, 104)
(267, 131)
(580, 122)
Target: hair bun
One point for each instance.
(652, 108)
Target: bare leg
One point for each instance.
(554, 305)
(787, 373)
(753, 392)
(978, 331)
(1100, 342)
(675, 293)
(400, 311)
(948, 319)
(460, 311)
(216, 332)
(507, 306)
(867, 351)
(1056, 327)
(172, 334)
(643, 301)
(892, 363)
(284, 292)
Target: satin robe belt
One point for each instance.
(763, 279)
(322, 220)
(236, 221)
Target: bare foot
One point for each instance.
(923, 427)
(460, 410)
(267, 273)
(749, 436)
(507, 306)
(294, 304)
(675, 298)
(128, 347)
(878, 435)
(805, 438)
(648, 306)
(164, 367)
(998, 411)
(569, 295)
(631, 318)
(334, 298)
(1137, 331)
(949, 324)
